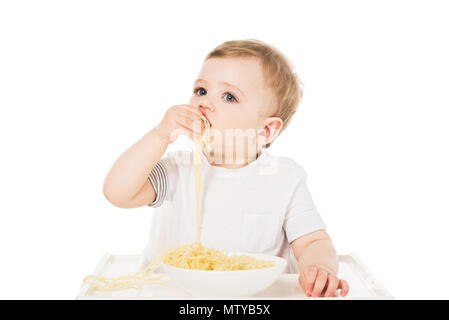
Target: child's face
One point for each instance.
(245, 105)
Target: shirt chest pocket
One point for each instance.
(260, 231)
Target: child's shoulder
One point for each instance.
(287, 165)
(288, 162)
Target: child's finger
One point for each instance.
(191, 108)
(189, 118)
(191, 115)
(306, 285)
(180, 130)
(343, 285)
(320, 282)
(190, 125)
(326, 285)
(302, 283)
(332, 286)
(196, 125)
(310, 274)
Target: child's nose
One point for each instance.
(204, 107)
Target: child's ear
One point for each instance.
(270, 131)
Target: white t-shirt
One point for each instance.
(261, 207)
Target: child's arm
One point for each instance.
(126, 184)
(318, 265)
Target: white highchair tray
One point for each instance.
(363, 285)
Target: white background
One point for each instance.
(81, 81)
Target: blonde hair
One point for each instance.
(277, 70)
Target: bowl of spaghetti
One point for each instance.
(210, 272)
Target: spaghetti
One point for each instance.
(190, 256)
(196, 256)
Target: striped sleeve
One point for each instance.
(158, 178)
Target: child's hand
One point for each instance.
(179, 119)
(318, 282)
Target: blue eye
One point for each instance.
(196, 90)
(228, 94)
(233, 99)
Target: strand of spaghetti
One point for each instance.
(147, 272)
(197, 161)
(98, 283)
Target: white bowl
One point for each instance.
(234, 283)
